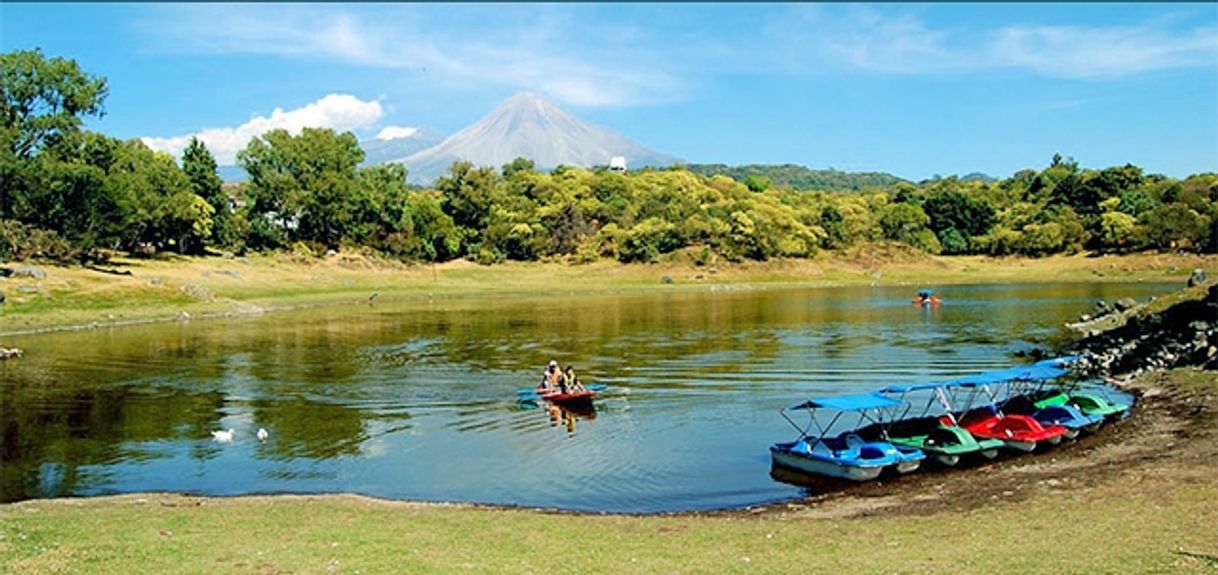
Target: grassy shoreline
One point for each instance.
(142, 291)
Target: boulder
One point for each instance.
(29, 272)
(1197, 278)
(1126, 303)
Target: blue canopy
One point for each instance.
(926, 292)
(1062, 362)
(850, 402)
(909, 388)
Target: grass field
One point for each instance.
(1137, 524)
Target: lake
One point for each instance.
(416, 399)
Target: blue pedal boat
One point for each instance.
(1031, 383)
(1086, 402)
(846, 455)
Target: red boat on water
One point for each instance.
(571, 397)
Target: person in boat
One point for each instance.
(573, 383)
(549, 379)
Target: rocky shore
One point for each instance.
(1130, 338)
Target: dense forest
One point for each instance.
(759, 177)
(74, 195)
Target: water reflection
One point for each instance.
(415, 399)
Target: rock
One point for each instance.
(156, 281)
(183, 316)
(1084, 318)
(6, 353)
(1197, 278)
(331, 253)
(1126, 303)
(197, 292)
(27, 289)
(1, 298)
(666, 280)
(5, 272)
(29, 272)
(1101, 307)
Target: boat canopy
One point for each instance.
(850, 403)
(910, 388)
(1062, 362)
(1019, 373)
(926, 292)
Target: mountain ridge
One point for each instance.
(530, 126)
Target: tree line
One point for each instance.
(68, 193)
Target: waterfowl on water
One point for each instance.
(223, 436)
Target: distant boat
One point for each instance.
(927, 298)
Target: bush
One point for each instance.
(19, 241)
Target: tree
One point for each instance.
(41, 103)
(469, 193)
(1117, 229)
(518, 166)
(757, 183)
(953, 209)
(1176, 225)
(304, 187)
(200, 168)
(44, 99)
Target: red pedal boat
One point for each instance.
(1019, 432)
(556, 396)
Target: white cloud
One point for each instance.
(391, 132)
(867, 39)
(339, 112)
(540, 48)
(1072, 51)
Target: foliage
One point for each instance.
(800, 178)
(71, 192)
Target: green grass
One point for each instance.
(1060, 533)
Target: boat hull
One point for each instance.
(808, 463)
(1017, 432)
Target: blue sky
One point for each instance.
(915, 90)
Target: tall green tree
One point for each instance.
(200, 168)
(42, 102)
(304, 187)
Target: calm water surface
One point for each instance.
(416, 400)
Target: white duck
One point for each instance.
(223, 436)
(262, 434)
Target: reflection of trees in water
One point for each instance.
(303, 428)
(51, 435)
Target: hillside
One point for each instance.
(801, 178)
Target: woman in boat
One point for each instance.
(549, 379)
